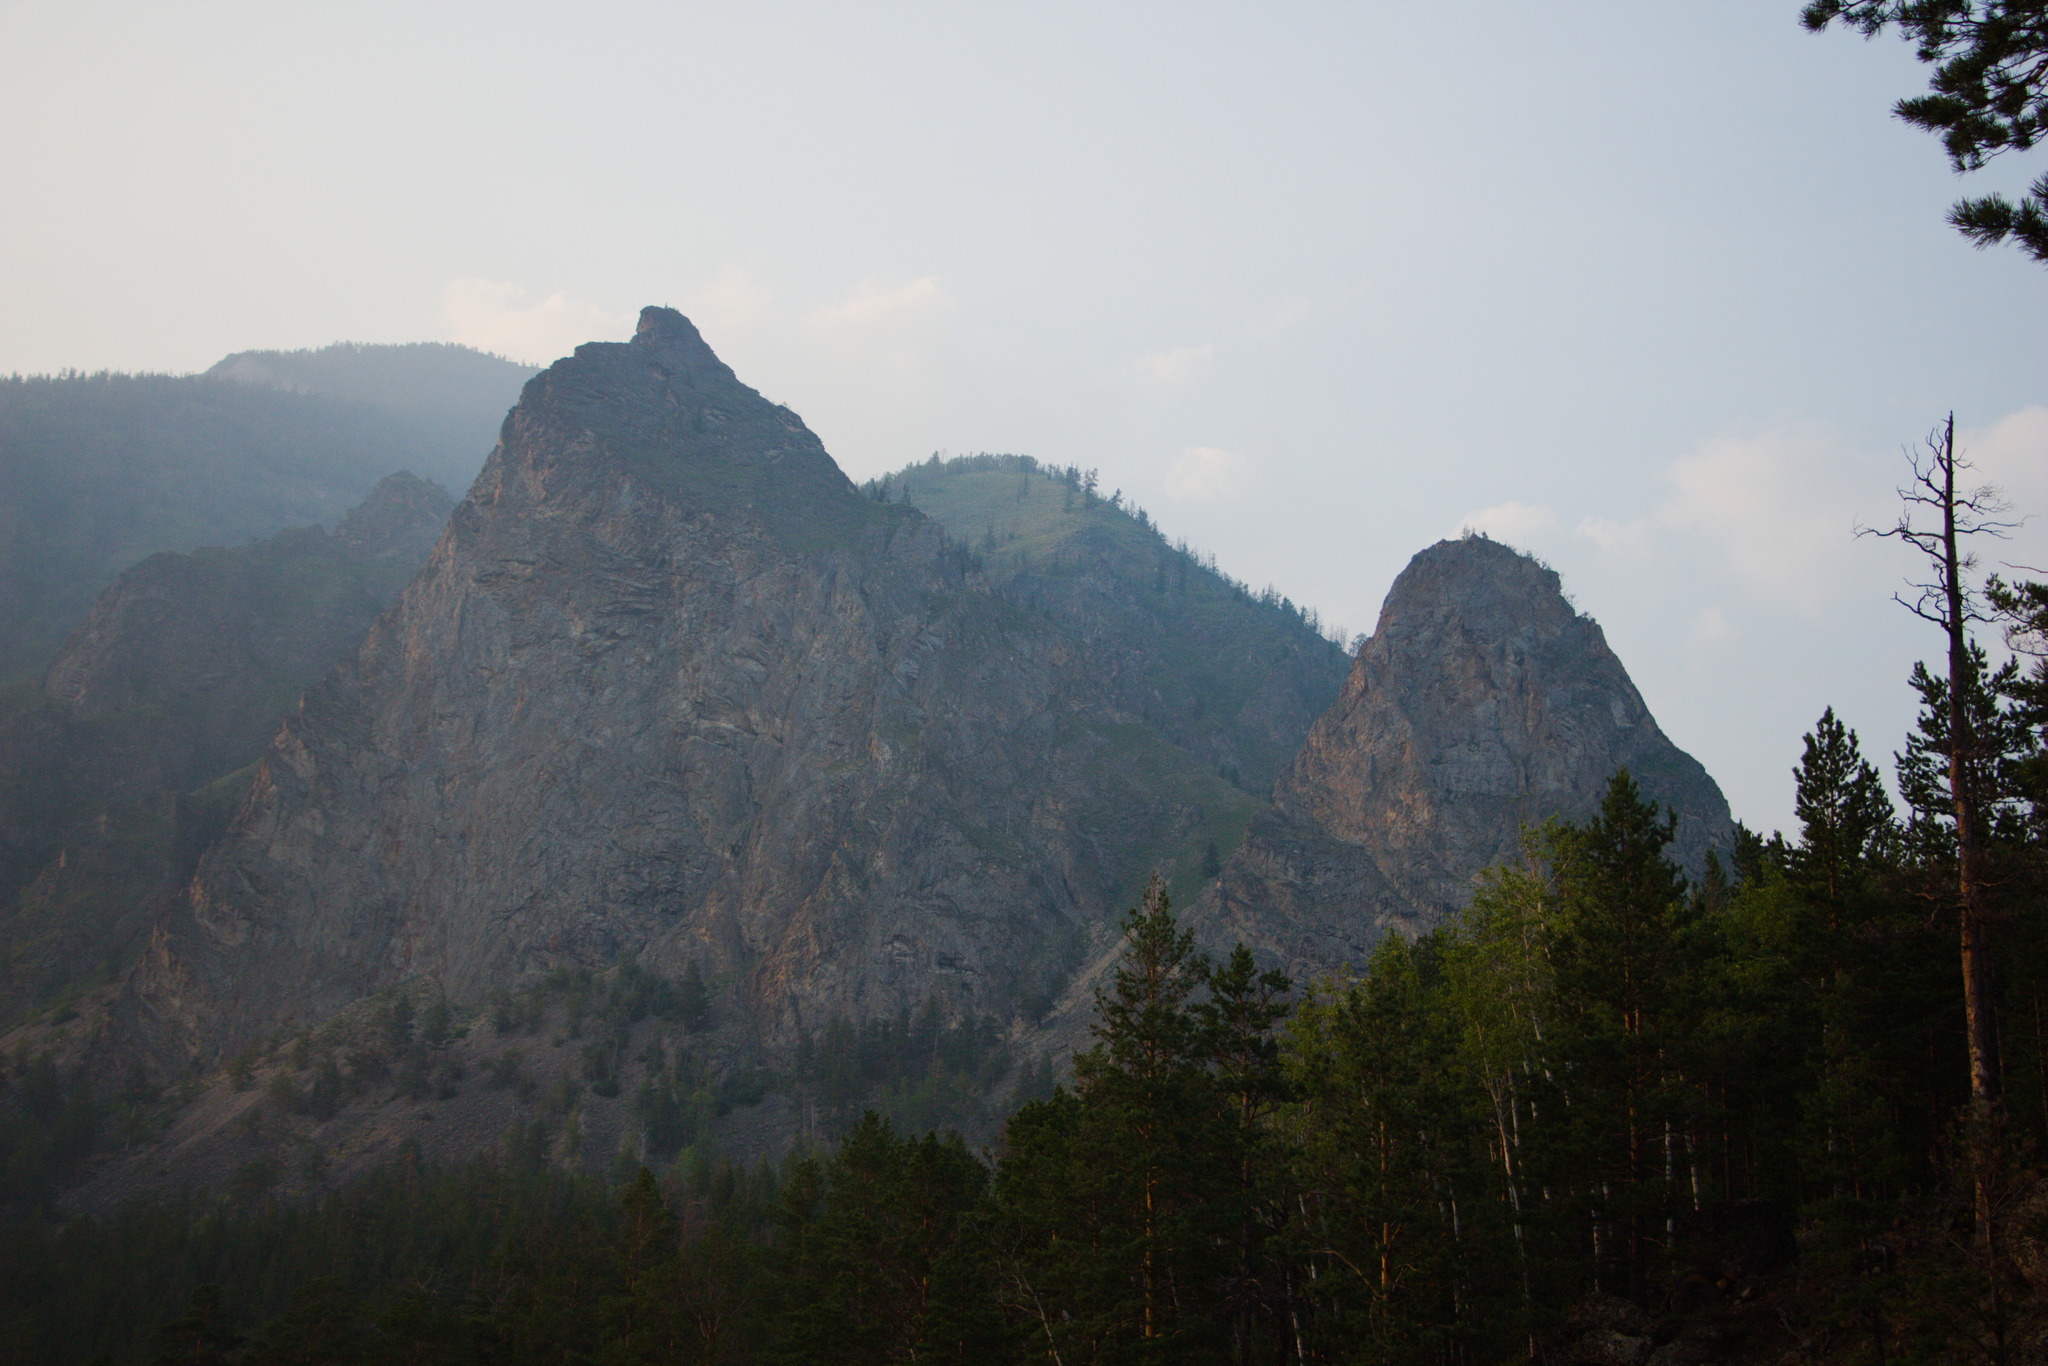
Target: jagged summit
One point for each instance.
(664, 407)
(661, 325)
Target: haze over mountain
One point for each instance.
(97, 471)
(673, 688)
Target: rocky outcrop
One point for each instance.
(1483, 702)
(671, 687)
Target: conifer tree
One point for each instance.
(1625, 957)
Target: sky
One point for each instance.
(1657, 291)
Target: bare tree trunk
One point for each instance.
(1979, 1011)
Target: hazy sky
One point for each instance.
(1657, 290)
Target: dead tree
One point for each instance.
(1948, 601)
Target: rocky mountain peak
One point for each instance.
(1483, 702)
(1491, 588)
(672, 690)
(664, 409)
(660, 324)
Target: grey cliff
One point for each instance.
(670, 687)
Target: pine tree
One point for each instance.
(1626, 957)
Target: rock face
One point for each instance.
(670, 686)
(1482, 702)
(176, 678)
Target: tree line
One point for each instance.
(1604, 1081)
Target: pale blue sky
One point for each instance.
(1654, 289)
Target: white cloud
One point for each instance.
(873, 308)
(1776, 510)
(1773, 506)
(1711, 629)
(1512, 522)
(1178, 366)
(1204, 474)
(2012, 454)
(493, 315)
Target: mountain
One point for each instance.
(673, 691)
(1482, 702)
(99, 471)
(114, 769)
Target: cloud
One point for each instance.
(1775, 510)
(1178, 366)
(1711, 630)
(873, 308)
(1204, 474)
(493, 315)
(1629, 537)
(2012, 454)
(1515, 523)
(1772, 505)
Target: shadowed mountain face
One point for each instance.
(671, 687)
(1482, 702)
(114, 772)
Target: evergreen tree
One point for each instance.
(1120, 1198)
(203, 1335)
(884, 1259)
(1626, 957)
(1988, 94)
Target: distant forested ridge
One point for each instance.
(98, 471)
